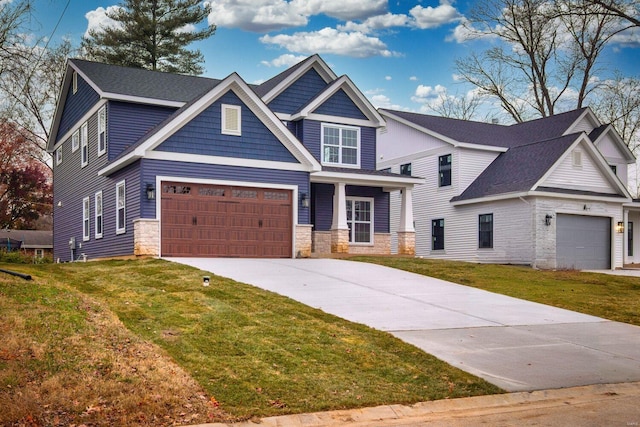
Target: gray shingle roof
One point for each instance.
(267, 86)
(144, 83)
(29, 238)
(518, 169)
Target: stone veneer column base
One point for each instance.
(303, 241)
(146, 237)
(406, 243)
(340, 241)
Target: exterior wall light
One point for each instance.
(151, 192)
(304, 200)
(620, 227)
(547, 219)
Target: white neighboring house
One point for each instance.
(550, 193)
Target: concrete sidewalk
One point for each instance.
(597, 405)
(514, 344)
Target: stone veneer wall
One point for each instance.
(146, 237)
(406, 243)
(303, 241)
(381, 246)
(321, 242)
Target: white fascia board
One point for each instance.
(315, 62)
(588, 114)
(55, 123)
(337, 120)
(228, 161)
(142, 100)
(327, 177)
(534, 193)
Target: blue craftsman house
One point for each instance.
(159, 164)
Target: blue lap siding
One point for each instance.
(299, 93)
(76, 105)
(203, 136)
(339, 104)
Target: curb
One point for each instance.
(459, 408)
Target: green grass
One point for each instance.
(607, 296)
(252, 351)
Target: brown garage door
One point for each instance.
(224, 221)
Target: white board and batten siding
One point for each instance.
(584, 176)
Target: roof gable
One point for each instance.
(186, 114)
(610, 144)
(298, 93)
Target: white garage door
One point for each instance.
(583, 242)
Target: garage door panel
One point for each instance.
(210, 220)
(583, 242)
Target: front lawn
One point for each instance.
(603, 295)
(142, 342)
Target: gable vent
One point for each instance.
(577, 159)
(231, 120)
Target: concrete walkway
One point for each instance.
(514, 344)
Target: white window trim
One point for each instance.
(86, 222)
(100, 215)
(352, 222)
(59, 156)
(75, 82)
(223, 126)
(75, 141)
(339, 163)
(84, 142)
(102, 129)
(121, 228)
(38, 253)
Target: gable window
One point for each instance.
(75, 141)
(231, 120)
(84, 144)
(85, 219)
(485, 231)
(102, 131)
(360, 219)
(630, 238)
(614, 168)
(59, 156)
(444, 170)
(98, 207)
(120, 208)
(405, 169)
(576, 159)
(75, 82)
(437, 234)
(340, 145)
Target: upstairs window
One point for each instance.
(120, 208)
(485, 231)
(231, 120)
(75, 82)
(405, 169)
(102, 131)
(75, 141)
(614, 169)
(84, 145)
(99, 223)
(59, 156)
(340, 145)
(444, 170)
(360, 219)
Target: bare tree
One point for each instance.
(628, 10)
(618, 103)
(456, 107)
(546, 55)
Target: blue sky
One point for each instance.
(399, 53)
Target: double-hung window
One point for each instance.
(102, 131)
(85, 219)
(98, 223)
(405, 169)
(360, 219)
(120, 208)
(59, 156)
(340, 145)
(75, 141)
(437, 234)
(485, 231)
(444, 170)
(84, 144)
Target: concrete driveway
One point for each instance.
(514, 344)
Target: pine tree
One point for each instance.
(152, 34)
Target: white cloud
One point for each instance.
(433, 17)
(187, 28)
(387, 78)
(98, 19)
(413, 78)
(628, 38)
(255, 15)
(341, 9)
(286, 60)
(330, 40)
(424, 92)
(380, 22)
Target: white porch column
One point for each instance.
(406, 231)
(406, 210)
(339, 227)
(625, 239)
